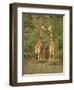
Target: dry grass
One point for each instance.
(45, 66)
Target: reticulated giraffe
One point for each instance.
(52, 44)
(38, 49)
(39, 46)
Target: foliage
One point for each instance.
(32, 27)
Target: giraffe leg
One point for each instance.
(38, 57)
(50, 56)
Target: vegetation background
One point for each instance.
(32, 26)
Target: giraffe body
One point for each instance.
(52, 45)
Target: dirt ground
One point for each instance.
(42, 66)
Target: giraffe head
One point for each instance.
(43, 28)
(50, 28)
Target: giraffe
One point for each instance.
(52, 44)
(39, 47)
